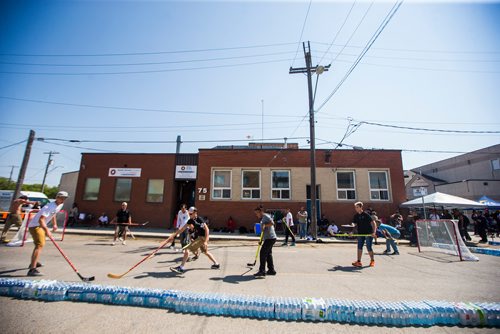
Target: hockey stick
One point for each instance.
(289, 229)
(85, 279)
(110, 275)
(258, 249)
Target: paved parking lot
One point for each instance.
(307, 270)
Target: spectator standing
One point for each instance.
(302, 218)
(73, 215)
(14, 216)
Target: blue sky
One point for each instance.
(149, 71)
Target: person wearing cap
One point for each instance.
(14, 215)
(199, 234)
(122, 219)
(38, 229)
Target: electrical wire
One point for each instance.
(372, 40)
(426, 129)
(301, 33)
(20, 142)
(146, 53)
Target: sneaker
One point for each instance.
(38, 265)
(357, 264)
(284, 244)
(386, 252)
(113, 243)
(395, 253)
(178, 270)
(292, 244)
(195, 258)
(372, 263)
(124, 243)
(120, 238)
(272, 273)
(34, 272)
(171, 247)
(215, 266)
(259, 274)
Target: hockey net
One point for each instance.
(23, 235)
(442, 236)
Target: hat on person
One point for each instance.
(62, 194)
(192, 209)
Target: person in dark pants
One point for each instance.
(266, 250)
(482, 226)
(288, 221)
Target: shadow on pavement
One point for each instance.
(349, 269)
(234, 279)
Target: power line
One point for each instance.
(137, 109)
(372, 40)
(425, 129)
(146, 71)
(301, 33)
(145, 53)
(353, 33)
(338, 32)
(22, 141)
(146, 63)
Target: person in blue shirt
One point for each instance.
(390, 233)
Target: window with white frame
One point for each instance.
(280, 184)
(250, 187)
(379, 188)
(221, 187)
(346, 185)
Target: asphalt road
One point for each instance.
(307, 270)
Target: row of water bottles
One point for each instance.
(222, 304)
(486, 251)
(122, 295)
(404, 313)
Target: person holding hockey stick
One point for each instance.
(288, 221)
(123, 218)
(182, 218)
(364, 224)
(269, 238)
(38, 229)
(200, 234)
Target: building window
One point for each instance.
(495, 164)
(221, 188)
(379, 190)
(280, 184)
(123, 189)
(346, 186)
(155, 191)
(250, 188)
(92, 186)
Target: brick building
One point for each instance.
(233, 180)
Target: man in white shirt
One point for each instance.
(38, 229)
(182, 218)
(288, 228)
(332, 230)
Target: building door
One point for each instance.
(185, 193)
(318, 201)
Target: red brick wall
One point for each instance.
(154, 166)
(342, 212)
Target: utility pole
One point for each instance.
(24, 165)
(178, 147)
(309, 69)
(10, 175)
(49, 162)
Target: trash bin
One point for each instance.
(257, 229)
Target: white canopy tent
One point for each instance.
(438, 199)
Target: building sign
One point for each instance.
(421, 191)
(125, 172)
(185, 172)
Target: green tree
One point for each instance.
(49, 191)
